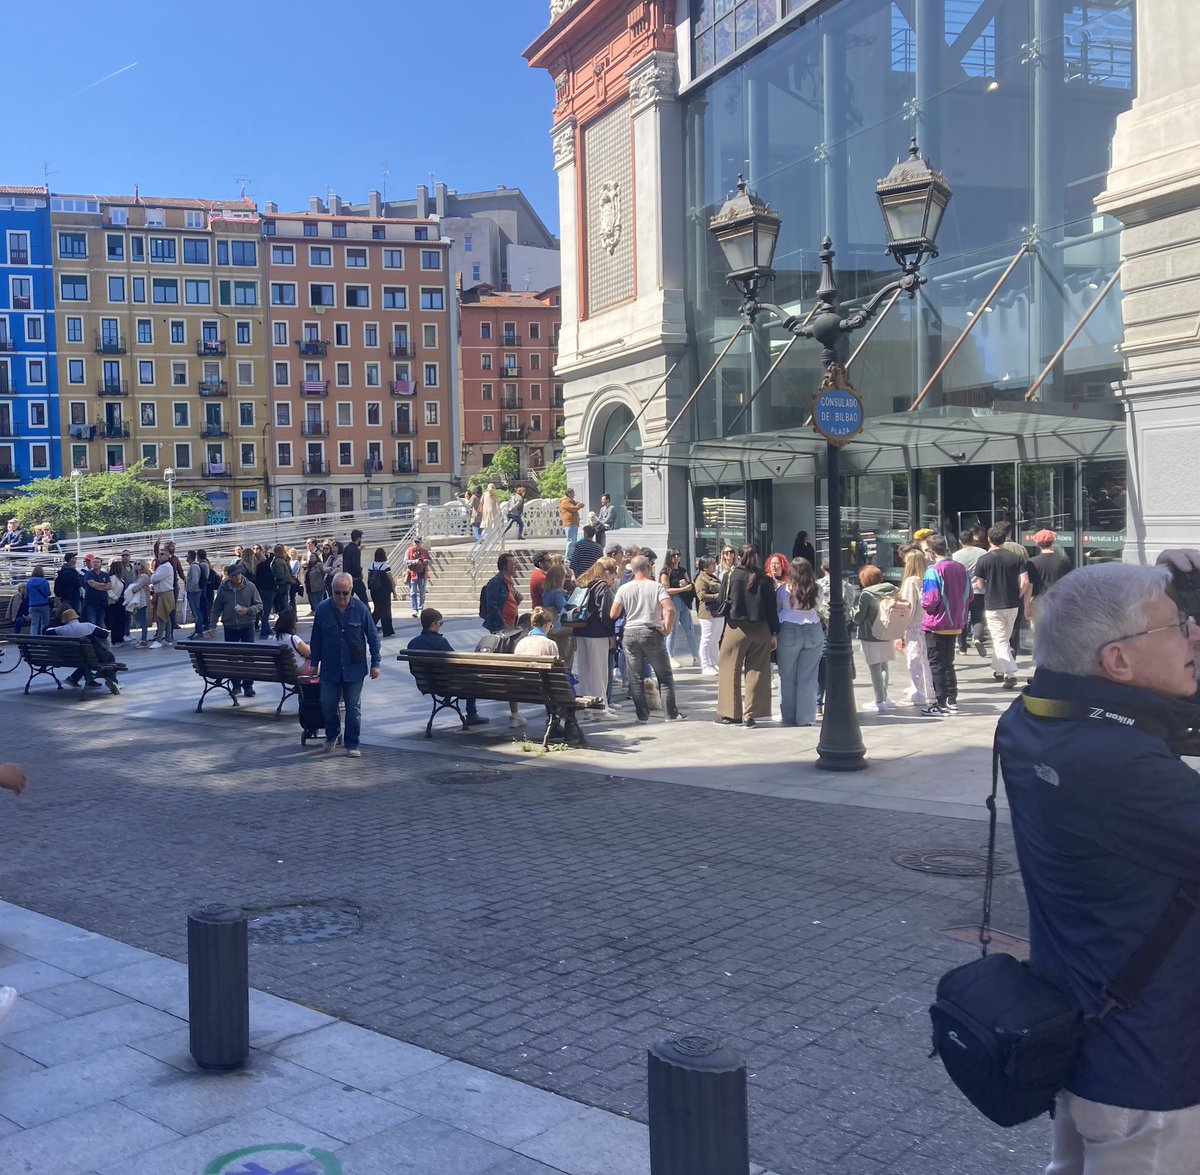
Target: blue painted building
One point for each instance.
(30, 433)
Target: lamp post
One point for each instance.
(76, 476)
(169, 478)
(913, 199)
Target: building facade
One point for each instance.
(363, 378)
(991, 396)
(163, 347)
(510, 395)
(29, 410)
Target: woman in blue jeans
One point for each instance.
(682, 595)
(801, 642)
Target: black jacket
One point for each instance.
(1106, 819)
(751, 605)
(352, 560)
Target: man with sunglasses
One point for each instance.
(1106, 819)
(343, 634)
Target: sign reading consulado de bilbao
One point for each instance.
(838, 414)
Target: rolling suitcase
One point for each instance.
(312, 717)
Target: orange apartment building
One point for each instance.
(363, 380)
(510, 395)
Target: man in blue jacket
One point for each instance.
(1106, 818)
(343, 633)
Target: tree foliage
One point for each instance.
(504, 471)
(553, 480)
(109, 503)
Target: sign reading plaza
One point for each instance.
(838, 413)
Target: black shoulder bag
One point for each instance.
(1009, 1038)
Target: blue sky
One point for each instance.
(294, 95)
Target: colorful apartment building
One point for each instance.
(29, 414)
(509, 345)
(163, 344)
(362, 361)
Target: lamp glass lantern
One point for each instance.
(913, 199)
(747, 230)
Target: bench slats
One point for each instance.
(221, 663)
(44, 654)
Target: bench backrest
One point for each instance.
(498, 676)
(78, 652)
(247, 662)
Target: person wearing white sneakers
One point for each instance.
(876, 651)
(13, 779)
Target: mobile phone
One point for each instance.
(1187, 591)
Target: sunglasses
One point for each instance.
(343, 593)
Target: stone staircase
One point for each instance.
(453, 591)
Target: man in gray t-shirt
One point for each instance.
(968, 555)
(648, 618)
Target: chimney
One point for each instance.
(422, 202)
(335, 204)
(270, 208)
(440, 198)
(374, 203)
(315, 205)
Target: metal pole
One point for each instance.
(970, 327)
(642, 410)
(78, 540)
(840, 747)
(716, 362)
(1087, 314)
(171, 506)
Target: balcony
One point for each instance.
(113, 431)
(402, 387)
(401, 349)
(210, 348)
(510, 372)
(110, 344)
(214, 431)
(314, 428)
(512, 432)
(115, 467)
(18, 256)
(22, 302)
(7, 344)
(213, 387)
(372, 466)
(314, 387)
(8, 473)
(112, 387)
(511, 403)
(404, 428)
(316, 468)
(312, 348)
(216, 469)
(406, 467)
(508, 340)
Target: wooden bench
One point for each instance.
(451, 678)
(45, 654)
(221, 663)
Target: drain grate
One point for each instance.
(470, 774)
(301, 922)
(952, 862)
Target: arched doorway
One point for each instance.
(621, 473)
(315, 501)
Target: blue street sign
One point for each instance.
(838, 414)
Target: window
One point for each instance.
(320, 295)
(356, 259)
(535, 330)
(535, 423)
(372, 373)
(139, 289)
(720, 30)
(378, 232)
(535, 362)
(73, 288)
(179, 414)
(358, 297)
(370, 334)
(222, 252)
(310, 230)
(320, 255)
(342, 376)
(487, 391)
(338, 230)
(247, 454)
(283, 415)
(429, 335)
(72, 244)
(244, 252)
(195, 252)
(78, 411)
(283, 453)
(179, 373)
(432, 299)
(283, 254)
(393, 259)
(166, 289)
(79, 456)
(431, 259)
(421, 234)
(75, 371)
(145, 371)
(115, 247)
(183, 456)
(137, 248)
(145, 330)
(345, 414)
(281, 375)
(345, 453)
(246, 413)
(245, 293)
(39, 457)
(285, 503)
(193, 218)
(433, 452)
(279, 332)
(242, 333)
(476, 272)
(283, 294)
(485, 330)
(163, 249)
(245, 373)
(197, 292)
(535, 391)
(467, 243)
(36, 371)
(395, 298)
(374, 412)
(178, 331)
(34, 328)
(489, 424)
(341, 334)
(148, 413)
(431, 375)
(150, 456)
(431, 412)
(74, 330)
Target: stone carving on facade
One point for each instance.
(653, 80)
(610, 216)
(563, 139)
(558, 7)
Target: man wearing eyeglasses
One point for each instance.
(1106, 819)
(342, 636)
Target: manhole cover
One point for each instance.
(952, 862)
(301, 922)
(470, 774)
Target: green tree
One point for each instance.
(504, 471)
(109, 503)
(553, 480)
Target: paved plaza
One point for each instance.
(504, 914)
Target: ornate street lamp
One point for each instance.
(913, 199)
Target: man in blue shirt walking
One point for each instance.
(343, 634)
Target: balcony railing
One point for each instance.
(401, 349)
(510, 340)
(314, 428)
(314, 387)
(210, 348)
(312, 347)
(112, 387)
(511, 372)
(18, 256)
(316, 468)
(511, 403)
(214, 430)
(7, 344)
(512, 433)
(372, 466)
(110, 344)
(112, 431)
(404, 428)
(213, 387)
(8, 473)
(22, 302)
(402, 387)
(217, 469)
(406, 467)
(115, 466)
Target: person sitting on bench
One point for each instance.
(70, 625)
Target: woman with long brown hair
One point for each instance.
(912, 643)
(594, 640)
(751, 632)
(801, 642)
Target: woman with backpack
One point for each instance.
(876, 650)
(595, 638)
(912, 643)
(381, 587)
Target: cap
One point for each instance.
(67, 615)
(923, 533)
(418, 539)
(1045, 538)
(89, 557)
(236, 568)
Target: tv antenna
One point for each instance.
(385, 171)
(242, 181)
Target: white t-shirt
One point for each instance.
(291, 640)
(641, 602)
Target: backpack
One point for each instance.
(377, 583)
(504, 641)
(213, 582)
(483, 608)
(893, 618)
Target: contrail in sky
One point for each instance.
(100, 82)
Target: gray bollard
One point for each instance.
(218, 987)
(698, 1112)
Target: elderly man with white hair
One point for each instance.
(1106, 818)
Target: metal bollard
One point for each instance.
(218, 987)
(698, 1112)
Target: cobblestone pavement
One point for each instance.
(539, 922)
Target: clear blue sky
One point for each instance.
(295, 95)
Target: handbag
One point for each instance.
(578, 610)
(721, 607)
(1008, 1037)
